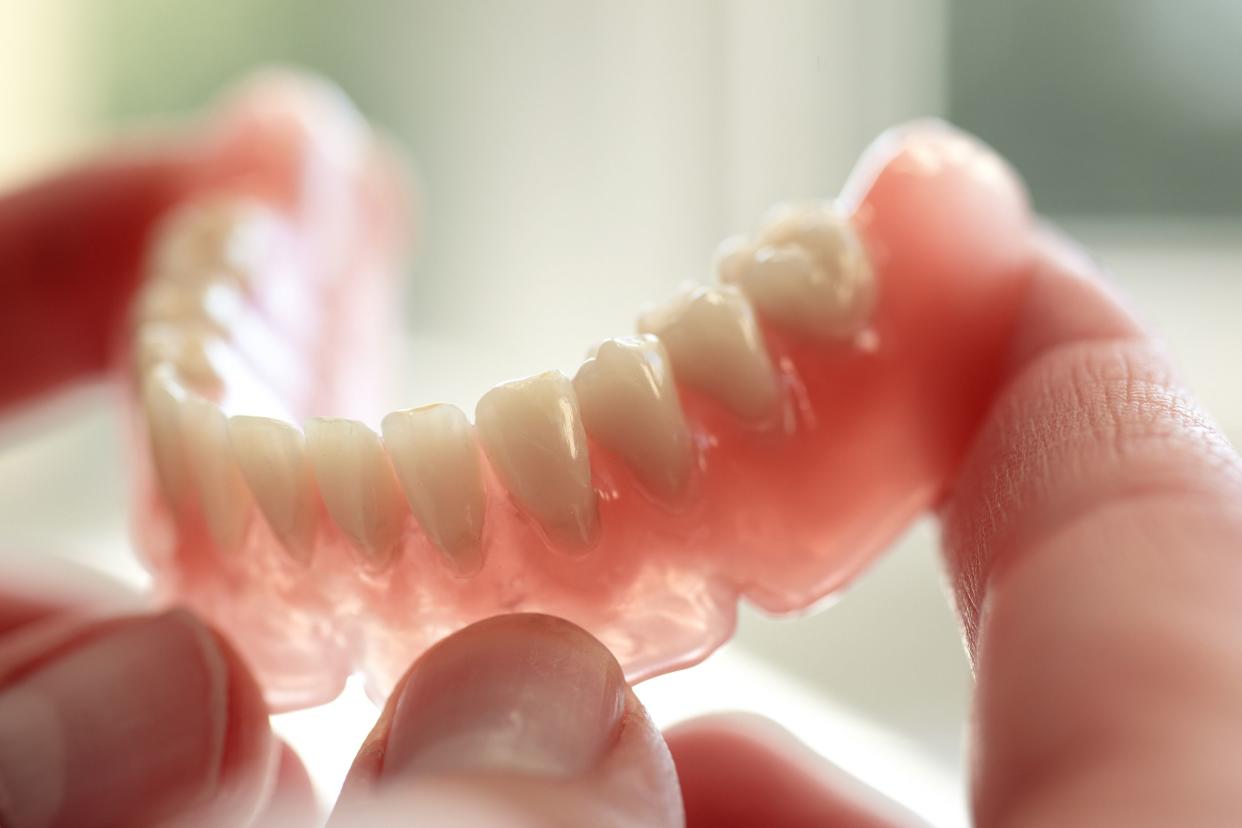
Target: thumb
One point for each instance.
(516, 721)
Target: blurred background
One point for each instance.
(579, 158)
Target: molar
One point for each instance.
(715, 346)
(437, 463)
(532, 432)
(225, 236)
(212, 303)
(629, 404)
(271, 455)
(183, 347)
(357, 485)
(809, 272)
(222, 492)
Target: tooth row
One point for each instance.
(806, 270)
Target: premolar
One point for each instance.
(184, 347)
(272, 457)
(629, 404)
(358, 485)
(808, 272)
(222, 494)
(715, 346)
(437, 463)
(163, 397)
(532, 432)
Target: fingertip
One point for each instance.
(512, 720)
(249, 752)
(1067, 301)
(129, 721)
(743, 770)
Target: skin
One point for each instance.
(1090, 539)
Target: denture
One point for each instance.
(761, 437)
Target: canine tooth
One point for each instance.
(219, 236)
(357, 485)
(715, 346)
(532, 433)
(180, 346)
(629, 404)
(163, 397)
(437, 463)
(271, 455)
(810, 273)
(222, 493)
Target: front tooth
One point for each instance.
(810, 273)
(715, 346)
(434, 454)
(222, 493)
(213, 237)
(629, 404)
(163, 397)
(272, 457)
(357, 485)
(532, 433)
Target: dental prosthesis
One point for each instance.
(762, 438)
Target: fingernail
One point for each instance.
(126, 727)
(524, 694)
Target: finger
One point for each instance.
(1093, 540)
(137, 721)
(744, 771)
(71, 246)
(519, 720)
(55, 587)
(293, 803)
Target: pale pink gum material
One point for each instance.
(869, 433)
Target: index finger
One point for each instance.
(1093, 541)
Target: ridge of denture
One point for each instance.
(759, 438)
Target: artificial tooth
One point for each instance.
(437, 463)
(629, 404)
(733, 257)
(810, 273)
(181, 346)
(715, 346)
(223, 497)
(357, 485)
(271, 455)
(208, 238)
(163, 397)
(212, 303)
(532, 432)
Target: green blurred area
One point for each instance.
(1125, 107)
(1109, 107)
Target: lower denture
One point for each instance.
(761, 440)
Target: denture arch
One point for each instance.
(760, 438)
